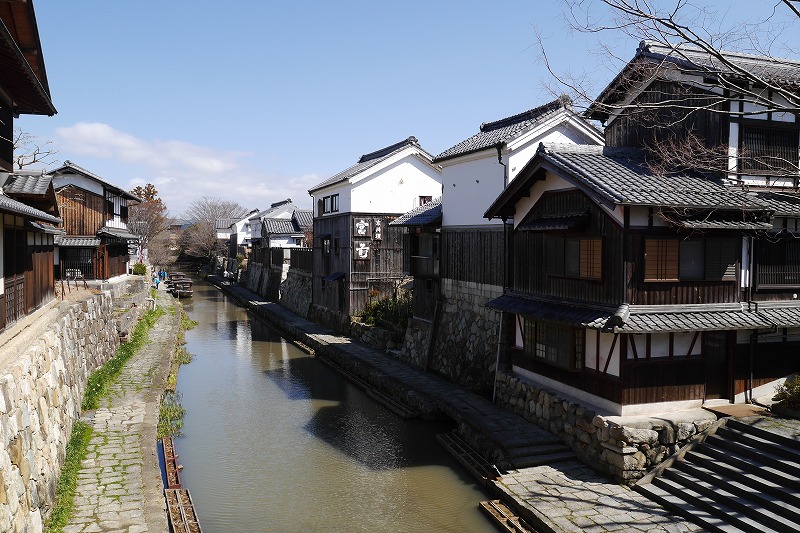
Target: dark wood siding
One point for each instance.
(639, 126)
(641, 292)
(381, 272)
(533, 264)
(475, 255)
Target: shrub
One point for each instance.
(789, 392)
(139, 269)
(394, 311)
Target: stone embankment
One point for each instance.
(625, 448)
(45, 361)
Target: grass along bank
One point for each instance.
(101, 378)
(171, 413)
(68, 480)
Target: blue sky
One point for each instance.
(255, 101)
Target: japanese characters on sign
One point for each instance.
(361, 251)
(361, 227)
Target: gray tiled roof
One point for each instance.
(713, 223)
(503, 130)
(13, 206)
(424, 215)
(368, 161)
(784, 203)
(620, 176)
(27, 183)
(224, 223)
(77, 242)
(782, 72)
(278, 225)
(118, 233)
(303, 218)
(775, 70)
(652, 318)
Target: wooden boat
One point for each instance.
(182, 288)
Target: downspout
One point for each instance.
(499, 147)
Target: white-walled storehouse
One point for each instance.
(355, 252)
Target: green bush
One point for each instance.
(789, 393)
(394, 311)
(139, 269)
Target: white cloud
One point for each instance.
(180, 171)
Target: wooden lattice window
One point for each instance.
(556, 344)
(661, 260)
(768, 149)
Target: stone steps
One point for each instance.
(740, 478)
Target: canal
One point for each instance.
(274, 440)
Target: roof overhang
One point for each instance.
(29, 93)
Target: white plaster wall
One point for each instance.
(683, 341)
(395, 189)
(591, 353)
(472, 182)
(552, 182)
(282, 241)
(79, 181)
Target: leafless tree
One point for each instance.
(696, 45)
(200, 238)
(28, 150)
(210, 210)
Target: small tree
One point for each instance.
(147, 219)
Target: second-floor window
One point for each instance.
(425, 200)
(687, 260)
(768, 149)
(575, 258)
(330, 204)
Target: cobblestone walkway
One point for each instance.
(119, 486)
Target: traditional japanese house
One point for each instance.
(28, 209)
(638, 285)
(97, 243)
(456, 256)
(357, 255)
(241, 232)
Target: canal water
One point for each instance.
(274, 440)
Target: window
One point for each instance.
(330, 204)
(326, 245)
(336, 246)
(575, 258)
(425, 200)
(768, 149)
(561, 346)
(673, 260)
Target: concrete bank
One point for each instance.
(566, 496)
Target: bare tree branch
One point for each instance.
(29, 151)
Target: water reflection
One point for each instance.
(277, 441)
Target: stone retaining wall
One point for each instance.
(375, 337)
(623, 448)
(295, 292)
(41, 387)
(465, 348)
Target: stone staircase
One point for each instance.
(526, 452)
(740, 478)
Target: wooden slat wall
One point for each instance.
(475, 255)
(658, 380)
(83, 212)
(642, 292)
(529, 268)
(635, 127)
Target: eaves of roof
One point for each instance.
(27, 183)
(70, 166)
(13, 206)
(497, 134)
(31, 97)
(429, 214)
(368, 161)
(785, 72)
(619, 176)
